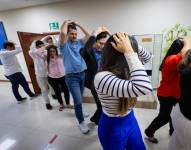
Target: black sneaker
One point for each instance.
(151, 138)
(48, 106)
(93, 119)
(171, 132)
(33, 96)
(54, 96)
(22, 100)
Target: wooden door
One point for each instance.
(26, 39)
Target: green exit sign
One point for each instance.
(53, 26)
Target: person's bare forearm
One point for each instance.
(64, 27)
(63, 32)
(97, 31)
(86, 33)
(106, 30)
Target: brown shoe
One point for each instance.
(69, 106)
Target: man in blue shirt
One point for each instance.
(74, 66)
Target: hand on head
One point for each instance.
(68, 21)
(104, 29)
(101, 29)
(122, 43)
(72, 22)
(76, 23)
(97, 31)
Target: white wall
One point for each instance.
(132, 16)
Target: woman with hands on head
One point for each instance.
(169, 91)
(121, 80)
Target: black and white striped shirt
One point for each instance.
(144, 55)
(110, 88)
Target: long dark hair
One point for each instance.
(186, 62)
(174, 49)
(115, 62)
(48, 53)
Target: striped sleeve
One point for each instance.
(137, 85)
(144, 55)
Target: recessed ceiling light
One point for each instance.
(6, 144)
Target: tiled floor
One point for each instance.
(32, 126)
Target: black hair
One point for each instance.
(113, 59)
(174, 49)
(38, 43)
(101, 35)
(7, 43)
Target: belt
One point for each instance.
(77, 73)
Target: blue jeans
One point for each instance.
(17, 79)
(120, 133)
(75, 83)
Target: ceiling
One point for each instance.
(14, 4)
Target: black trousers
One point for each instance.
(98, 112)
(59, 85)
(17, 79)
(166, 105)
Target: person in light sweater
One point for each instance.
(13, 71)
(40, 70)
(51, 40)
(121, 80)
(56, 75)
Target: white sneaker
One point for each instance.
(84, 128)
(85, 114)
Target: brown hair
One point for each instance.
(186, 62)
(48, 53)
(115, 62)
(71, 26)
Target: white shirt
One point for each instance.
(39, 63)
(10, 62)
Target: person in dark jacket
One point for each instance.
(181, 113)
(92, 53)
